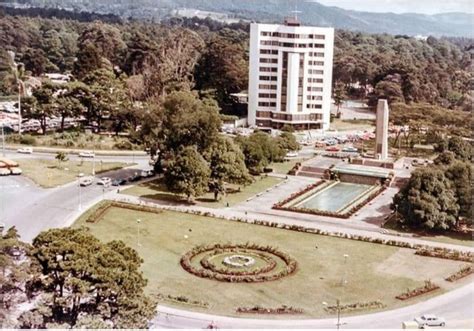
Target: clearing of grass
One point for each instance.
(350, 125)
(49, 173)
(156, 190)
(285, 166)
(162, 238)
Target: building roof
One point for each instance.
(357, 169)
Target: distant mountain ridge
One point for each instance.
(312, 13)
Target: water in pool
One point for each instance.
(335, 197)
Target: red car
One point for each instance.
(333, 149)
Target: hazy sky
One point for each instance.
(404, 6)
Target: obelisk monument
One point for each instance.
(381, 130)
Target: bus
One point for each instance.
(12, 167)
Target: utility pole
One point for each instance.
(343, 278)
(138, 232)
(3, 139)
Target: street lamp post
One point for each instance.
(338, 307)
(343, 278)
(3, 139)
(79, 193)
(138, 232)
(93, 163)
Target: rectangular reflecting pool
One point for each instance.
(334, 197)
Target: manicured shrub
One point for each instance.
(428, 287)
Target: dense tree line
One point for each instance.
(438, 196)
(205, 54)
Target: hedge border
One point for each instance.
(463, 272)
(283, 310)
(99, 212)
(427, 288)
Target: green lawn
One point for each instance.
(373, 272)
(156, 190)
(48, 173)
(284, 167)
(346, 125)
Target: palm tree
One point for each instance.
(18, 75)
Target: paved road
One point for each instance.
(455, 306)
(33, 209)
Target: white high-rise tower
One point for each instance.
(290, 75)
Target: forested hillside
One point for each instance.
(312, 12)
(157, 58)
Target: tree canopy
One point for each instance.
(85, 282)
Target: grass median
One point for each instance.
(156, 190)
(371, 271)
(50, 173)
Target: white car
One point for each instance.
(89, 154)
(292, 154)
(25, 150)
(85, 181)
(106, 181)
(4, 171)
(429, 320)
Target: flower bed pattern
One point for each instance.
(355, 306)
(282, 265)
(281, 205)
(463, 272)
(273, 311)
(428, 287)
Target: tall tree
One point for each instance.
(227, 165)
(428, 201)
(187, 173)
(223, 67)
(16, 273)
(85, 281)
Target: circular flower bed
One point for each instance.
(238, 263)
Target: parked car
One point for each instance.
(332, 149)
(305, 143)
(105, 181)
(88, 154)
(350, 149)
(429, 320)
(147, 173)
(119, 182)
(25, 150)
(133, 178)
(292, 154)
(4, 171)
(320, 144)
(85, 181)
(331, 142)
